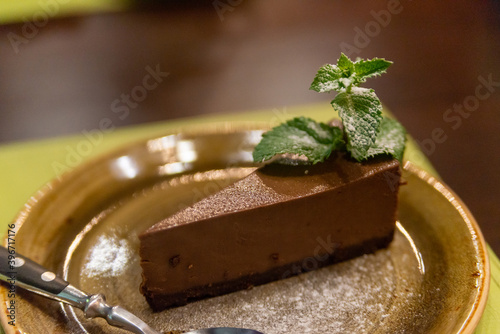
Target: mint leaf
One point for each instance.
(345, 65)
(327, 79)
(365, 69)
(391, 140)
(361, 112)
(302, 136)
(346, 74)
(321, 132)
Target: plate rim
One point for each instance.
(480, 246)
(479, 305)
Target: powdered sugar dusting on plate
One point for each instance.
(357, 294)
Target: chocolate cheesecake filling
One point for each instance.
(277, 222)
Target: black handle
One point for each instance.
(15, 268)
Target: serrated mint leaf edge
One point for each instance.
(393, 132)
(326, 79)
(369, 68)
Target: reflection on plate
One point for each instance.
(433, 278)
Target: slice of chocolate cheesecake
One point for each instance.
(276, 222)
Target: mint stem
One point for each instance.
(348, 89)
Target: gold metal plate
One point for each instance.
(433, 278)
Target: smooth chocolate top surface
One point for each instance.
(277, 183)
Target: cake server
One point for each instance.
(26, 274)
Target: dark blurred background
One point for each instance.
(62, 74)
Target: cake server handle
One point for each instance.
(20, 271)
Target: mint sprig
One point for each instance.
(359, 108)
(301, 136)
(365, 132)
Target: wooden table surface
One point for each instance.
(67, 74)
